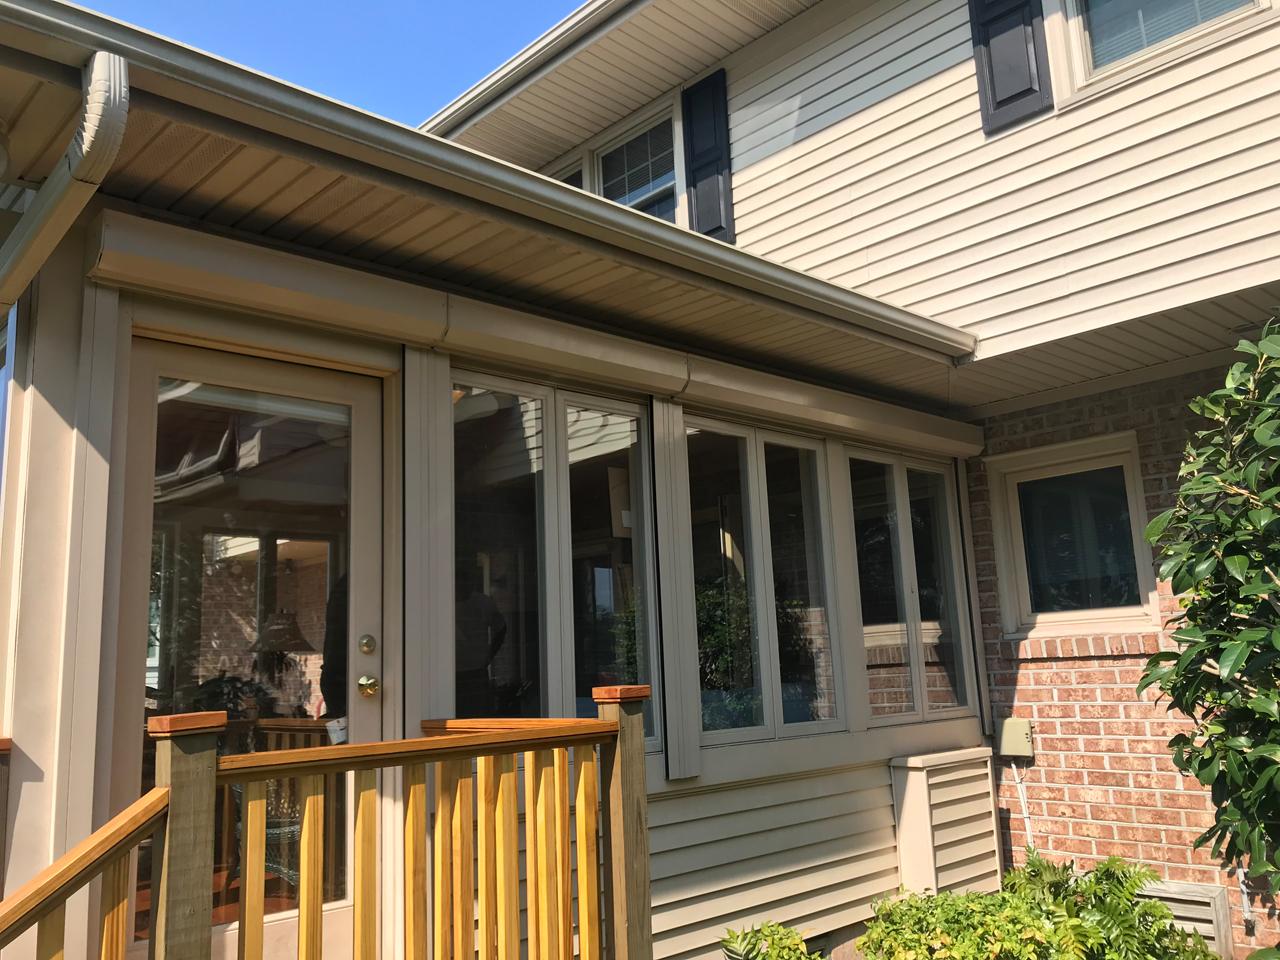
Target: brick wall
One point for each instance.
(1101, 782)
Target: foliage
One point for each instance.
(769, 941)
(950, 926)
(1220, 548)
(1046, 911)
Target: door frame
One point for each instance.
(375, 400)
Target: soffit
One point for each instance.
(531, 113)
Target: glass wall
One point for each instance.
(884, 618)
(499, 458)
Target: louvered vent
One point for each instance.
(1200, 907)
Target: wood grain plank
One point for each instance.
(548, 913)
(114, 917)
(442, 855)
(364, 922)
(253, 871)
(51, 934)
(311, 868)
(587, 823)
(507, 828)
(415, 862)
(564, 854)
(462, 886)
(532, 872)
(487, 857)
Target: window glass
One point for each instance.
(805, 663)
(728, 656)
(884, 619)
(248, 603)
(940, 611)
(607, 532)
(7, 326)
(1078, 539)
(641, 173)
(499, 470)
(573, 179)
(1120, 28)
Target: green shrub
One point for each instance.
(1046, 911)
(769, 941)
(949, 926)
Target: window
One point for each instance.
(1117, 29)
(911, 586)
(552, 550)
(641, 172)
(1069, 537)
(8, 328)
(766, 660)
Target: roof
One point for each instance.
(214, 144)
(626, 53)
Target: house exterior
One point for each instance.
(340, 426)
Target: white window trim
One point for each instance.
(587, 156)
(764, 620)
(1004, 473)
(908, 583)
(555, 576)
(1070, 65)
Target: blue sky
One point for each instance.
(402, 59)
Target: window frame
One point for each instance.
(587, 157)
(762, 599)
(555, 574)
(1070, 55)
(1004, 473)
(899, 464)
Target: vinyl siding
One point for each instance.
(811, 851)
(964, 837)
(858, 156)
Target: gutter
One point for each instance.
(309, 120)
(74, 179)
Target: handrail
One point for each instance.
(48, 889)
(243, 767)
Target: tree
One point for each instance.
(1220, 549)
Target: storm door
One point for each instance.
(253, 575)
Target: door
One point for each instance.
(252, 583)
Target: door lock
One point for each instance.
(368, 686)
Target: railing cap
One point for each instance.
(621, 694)
(186, 724)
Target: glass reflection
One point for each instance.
(498, 455)
(728, 659)
(936, 580)
(884, 620)
(248, 604)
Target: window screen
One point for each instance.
(641, 173)
(1079, 541)
(1121, 28)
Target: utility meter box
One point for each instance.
(1013, 738)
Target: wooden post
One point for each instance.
(182, 863)
(624, 800)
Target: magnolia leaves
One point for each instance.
(1220, 551)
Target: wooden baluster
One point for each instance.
(51, 933)
(564, 855)
(365, 868)
(531, 869)
(442, 851)
(548, 909)
(508, 859)
(626, 829)
(462, 887)
(311, 868)
(115, 909)
(586, 794)
(487, 855)
(253, 870)
(415, 861)
(182, 859)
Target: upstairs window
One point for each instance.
(641, 172)
(1118, 29)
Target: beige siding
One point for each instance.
(859, 157)
(811, 851)
(964, 837)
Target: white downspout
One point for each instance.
(74, 180)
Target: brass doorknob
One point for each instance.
(368, 686)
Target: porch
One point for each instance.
(462, 888)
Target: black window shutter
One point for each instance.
(706, 157)
(1012, 61)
